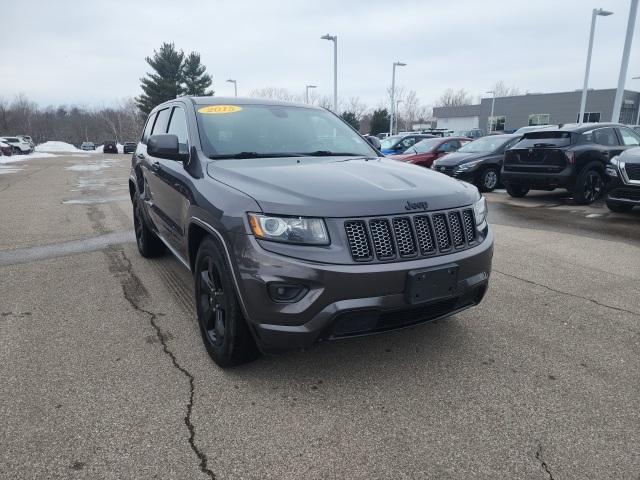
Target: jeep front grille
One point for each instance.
(633, 171)
(406, 237)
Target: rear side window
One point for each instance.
(545, 139)
(602, 136)
(629, 137)
(178, 127)
(148, 127)
(161, 122)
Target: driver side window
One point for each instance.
(629, 137)
(178, 127)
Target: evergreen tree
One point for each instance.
(379, 121)
(351, 119)
(194, 76)
(166, 82)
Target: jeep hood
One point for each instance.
(340, 186)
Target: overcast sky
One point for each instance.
(92, 52)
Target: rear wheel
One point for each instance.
(619, 208)
(149, 245)
(517, 191)
(488, 179)
(224, 330)
(589, 185)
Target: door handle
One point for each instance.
(140, 156)
(155, 167)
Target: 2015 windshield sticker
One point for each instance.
(218, 109)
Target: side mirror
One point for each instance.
(374, 141)
(165, 146)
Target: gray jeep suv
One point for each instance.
(297, 230)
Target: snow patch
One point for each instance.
(24, 158)
(13, 169)
(91, 166)
(60, 147)
(100, 148)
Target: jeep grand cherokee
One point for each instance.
(296, 230)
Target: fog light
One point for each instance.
(286, 292)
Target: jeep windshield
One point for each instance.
(268, 131)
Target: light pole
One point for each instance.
(235, 86)
(583, 100)
(493, 103)
(306, 96)
(334, 39)
(617, 104)
(393, 93)
(638, 116)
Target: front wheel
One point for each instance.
(488, 180)
(516, 191)
(619, 208)
(224, 330)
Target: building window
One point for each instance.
(539, 119)
(589, 117)
(497, 123)
(627, 115)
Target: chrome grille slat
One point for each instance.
(410, 236)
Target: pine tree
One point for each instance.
(351, 119)
(379, 121)
(194, 76)
(166, 83)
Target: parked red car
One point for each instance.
(426, 151)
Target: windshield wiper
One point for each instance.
(329, 153)
(253, 155)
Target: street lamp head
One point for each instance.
(602, 13)
(400, 64)
(231, 81)
(329, 37)
(311, 86)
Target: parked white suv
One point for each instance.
(18, 144)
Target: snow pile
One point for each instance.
(24, 158)
(59, 147)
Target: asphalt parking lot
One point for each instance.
(104, 374)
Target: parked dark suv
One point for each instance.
(623, 181)
(110, 147)
(573, 157)
(296, 230)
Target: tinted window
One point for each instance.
(148, 127)
(178, 127)
(484, 144)
(629, 137)
(602, 136)
(161, 122)
(450, 146)
(545, 138)
(425, 146)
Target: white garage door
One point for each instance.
(458, 123)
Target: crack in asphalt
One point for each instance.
(562, 292)
(543, 464)
(132, 288)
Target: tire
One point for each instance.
(516, 191)
(619, 208)
(224, 329)
(488, 180)
(589, 184)
(149, 245)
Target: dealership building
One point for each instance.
(511, 113)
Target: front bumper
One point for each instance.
(620, 192)
(347, 300)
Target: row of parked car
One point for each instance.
(110, 146)
(16, 145)
(589, 160)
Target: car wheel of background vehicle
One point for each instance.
(224, 329)
(488, 180)
(619, 208)
(589, 185)
(516, 191)
(149, 245)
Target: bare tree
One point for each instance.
(275, 93)
(357, 107)
(502, 90)
(453, 98)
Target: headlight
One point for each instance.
(611, 169)
(467, 166)
(480, 211)
(300, 230)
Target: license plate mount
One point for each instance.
(432, 284)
